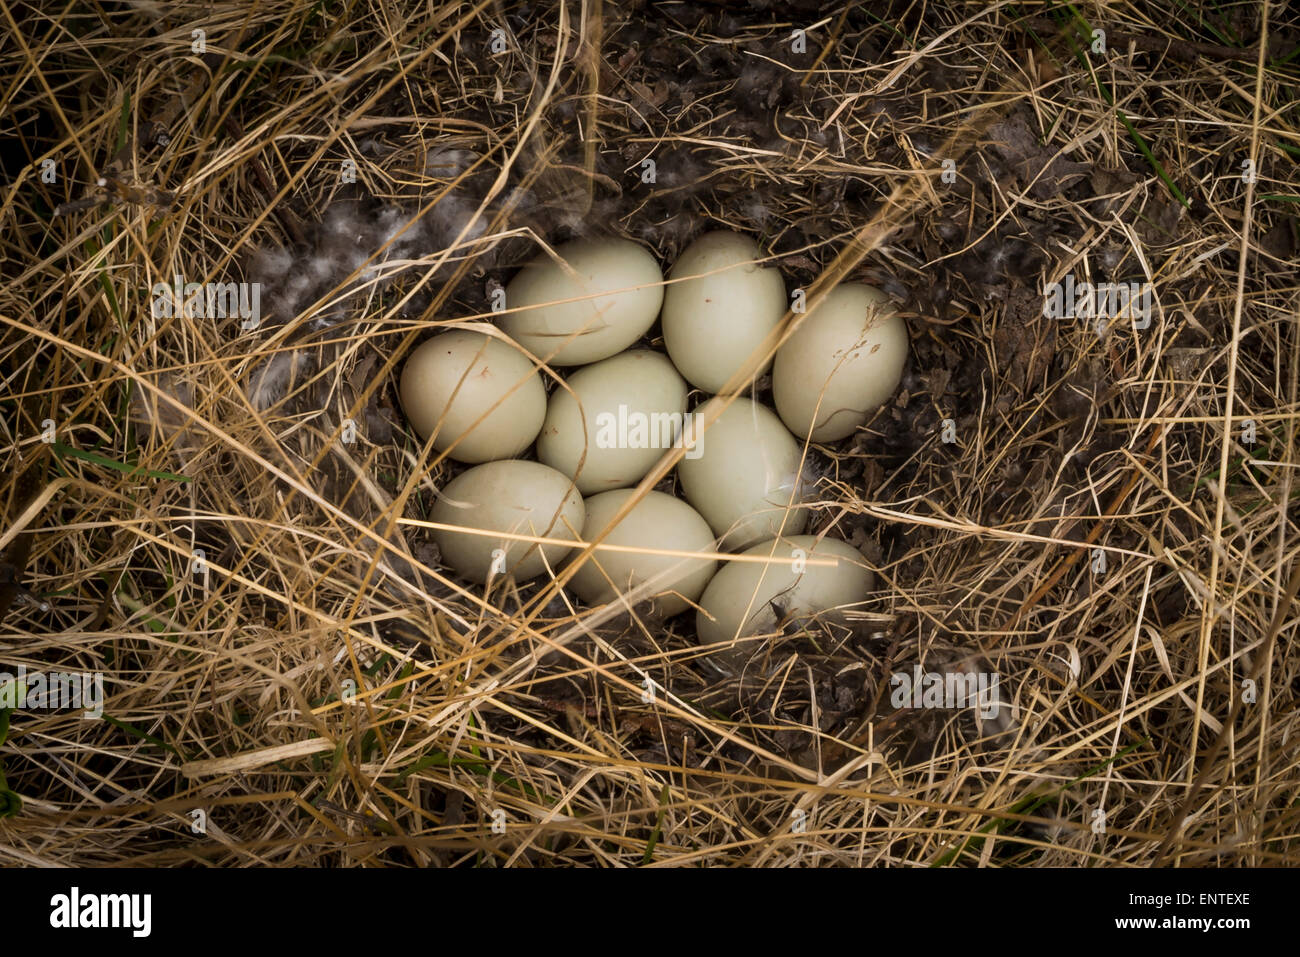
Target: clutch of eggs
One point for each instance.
(476, 393)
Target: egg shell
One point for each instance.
(853, 345)
(713, 323)
(620, 445)
(747, 468)
(524, 498)
(658, 521)
(740, 596)
(616, 287)
(462, 375)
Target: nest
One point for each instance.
(210, 511)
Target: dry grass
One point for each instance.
(225, 692)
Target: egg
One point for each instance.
(719, 307)
(847, 355)
(745, 475)
(457, 378)
(658, 521)
(634, 406)
(616, 288)
(523, 498)
(739, 600)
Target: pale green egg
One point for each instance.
(719, 307)
(521, 498)
(753, 598)
(614, 421)
(602, 299)
(742, 473)
(842, 363)
(468, 386)
(658, 522)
